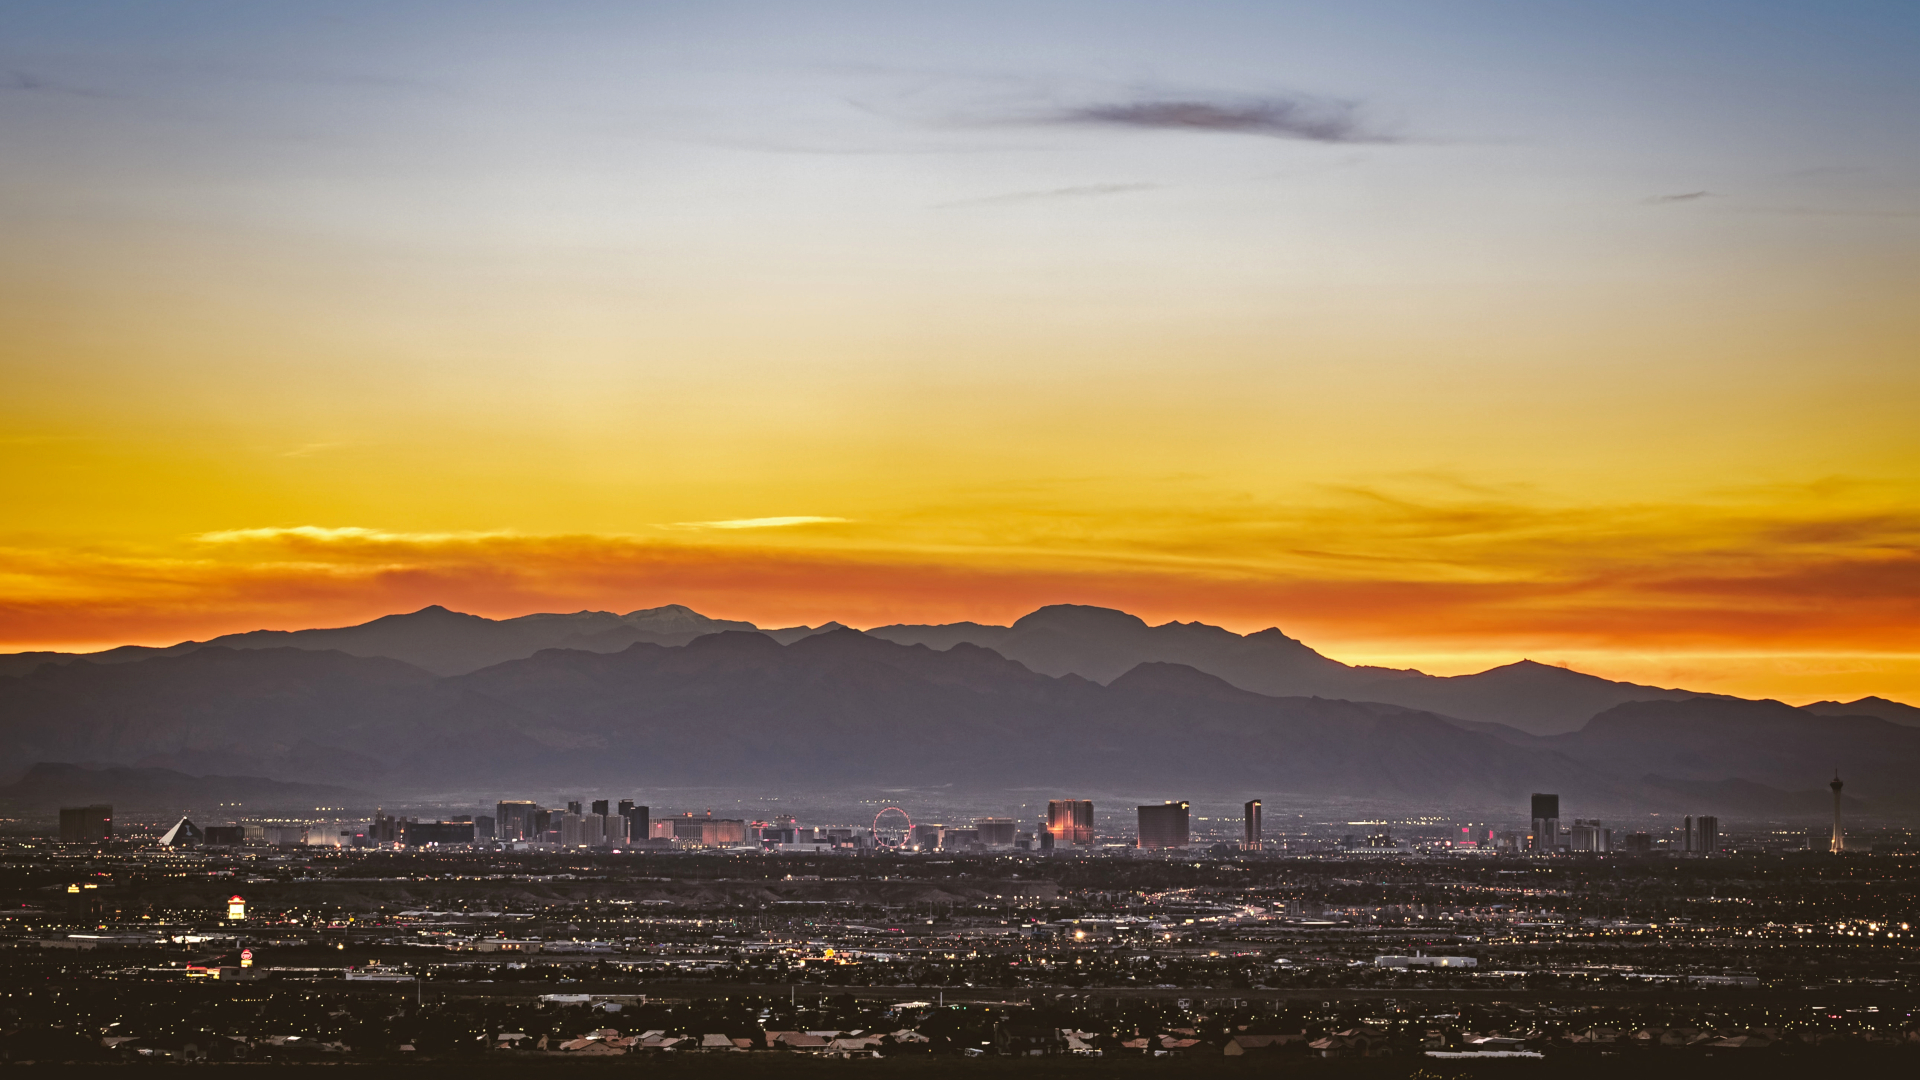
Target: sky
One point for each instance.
(1435, 335)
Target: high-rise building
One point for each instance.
(1546, 822)
(956, 839)
(1686, 843)
(574, 807)
(600, 807)
(995, 831)
(709, 831)
(1589, 835)
(92, 824)
(424, 833)
(1163, 826)
(1046, 836)
(1839, 842)
(514, 820)
(1251, 841)
(595, 830)
(639, 820)
(1708, 829)
(1071, 821)
(482, 827)
(614, 830)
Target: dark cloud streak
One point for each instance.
(29, 83)
(1308, 119)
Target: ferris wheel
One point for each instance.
(904, 833)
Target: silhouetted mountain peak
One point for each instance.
(679, 619)
(1747, 713)
(1161, 677)
(733, 642)
(430, 613)
(1894, 712)
(1533, 669)
(1082, 618)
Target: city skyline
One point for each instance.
(1169, 826)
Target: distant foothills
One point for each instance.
(1066, 696)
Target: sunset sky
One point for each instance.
(1434, 334)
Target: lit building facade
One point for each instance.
(1839, 842)
(1070, 821)
(706, 831)
(514, 819)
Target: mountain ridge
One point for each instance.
(48, 785)
(444, 641)
(1098, 644)
(846, 708)
(1891, 711)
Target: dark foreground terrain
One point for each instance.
(127, 955)
(1865, 1064)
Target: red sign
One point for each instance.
(246, 954)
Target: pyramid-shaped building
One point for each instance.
(184, 832)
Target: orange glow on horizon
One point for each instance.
(1662, 607)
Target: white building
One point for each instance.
(1425, 961)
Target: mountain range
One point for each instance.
(1099, 644)
(440, 641)
(904, 706)
(52, 784)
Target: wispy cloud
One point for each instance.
(1307, 118)
(1080, 192)
(345, 534)
(311, 449)
(1684, 196)
(27, 82)
(757, 523)
(355, 535)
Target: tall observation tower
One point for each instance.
(1839, 838)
